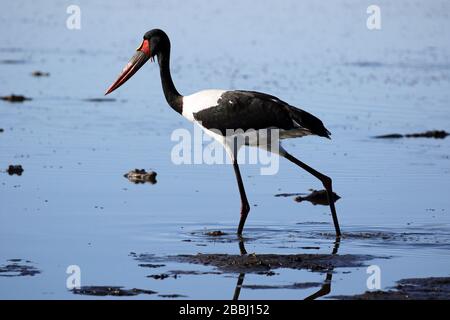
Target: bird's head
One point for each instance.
(155, 42)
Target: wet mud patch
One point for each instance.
(100, 100)
(227, 234)
(15, 98)
(297, 285)
(174, 274)
(138, 176)
(110, 291)
(151, 265)
(408, 289)
(275, 237)
(435, 239)
(172, 296)
(203, 237)
(13, 61)
(312, 223)
(267, 273)
(216, 233)
(257, 263)
(315, 197)
(38, 74)
(160, 276)
(436, 134)
(178, 273)
(171, 273)
(18, 268)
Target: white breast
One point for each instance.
(199, 101)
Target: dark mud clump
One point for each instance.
(267, 273)
(110, 291)
(100, 99)
(200, 237)
(216, 233)
(141, 176)
(409, 289)
(40, 74)
(286, 195)
(317, 197)
(151, 265)
(371, 235)
(161, 276)
(15, 169)
(172, 296)
(436, 134)
(390, 136)
(15, 98)
(18, 268)
(177, 273)
(266, 262)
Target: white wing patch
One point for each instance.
(199, 101)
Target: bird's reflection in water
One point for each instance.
(326, 287)
(323, 291)
(237, 290)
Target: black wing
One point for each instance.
(254, 110)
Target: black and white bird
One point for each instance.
(247, 114)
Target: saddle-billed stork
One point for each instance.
(222, 111)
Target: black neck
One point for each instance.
(174, 99)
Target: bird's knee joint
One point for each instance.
(245, 209)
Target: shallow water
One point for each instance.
(72, 205)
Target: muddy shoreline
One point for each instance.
(255, 263)
(433, 288)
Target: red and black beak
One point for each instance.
(136, 62)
